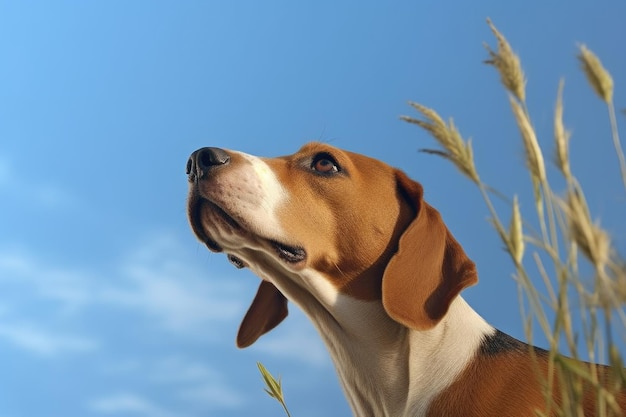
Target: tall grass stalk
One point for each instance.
(602, 83)
(566, 231)
(273, 387)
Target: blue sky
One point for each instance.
(108, 305)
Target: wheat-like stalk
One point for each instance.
(597, 75)
(455, 149)
(508, 65)
(592, 240)
(561, 136)
(602, 83)
(534, 156)
(564, 221)
(567, 220)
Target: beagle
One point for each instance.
(351, 241)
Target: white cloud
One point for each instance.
(129, 404)
(157, 280)
(185, 305)
(177, 369)
(72, 287)
(212, 395)
(192, 382)
(45, 343)
(160, 281)
(196, 382)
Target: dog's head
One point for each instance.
(324, 223)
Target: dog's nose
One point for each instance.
(203, 160)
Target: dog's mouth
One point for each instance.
(291, 254)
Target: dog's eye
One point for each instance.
(325, 164)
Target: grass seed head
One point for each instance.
(597, 75)
(508, 65)
(561, 136)
(534, 156)
(449, 138)
(593, 241)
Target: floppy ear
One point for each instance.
(267, 310)
(430, 268)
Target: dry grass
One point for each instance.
(566, 231)
(598, 77)
(508, 65)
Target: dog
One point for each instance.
(351, 241)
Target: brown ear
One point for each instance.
(267, 310)
(430, 268)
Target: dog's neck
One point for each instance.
(401, 363)
(385, 368)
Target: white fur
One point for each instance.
(389, 370)
(385, 368)
(258, 193)
(250, 193)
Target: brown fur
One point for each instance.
(429, 270)
(506, 379)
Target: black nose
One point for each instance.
(203, 160)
